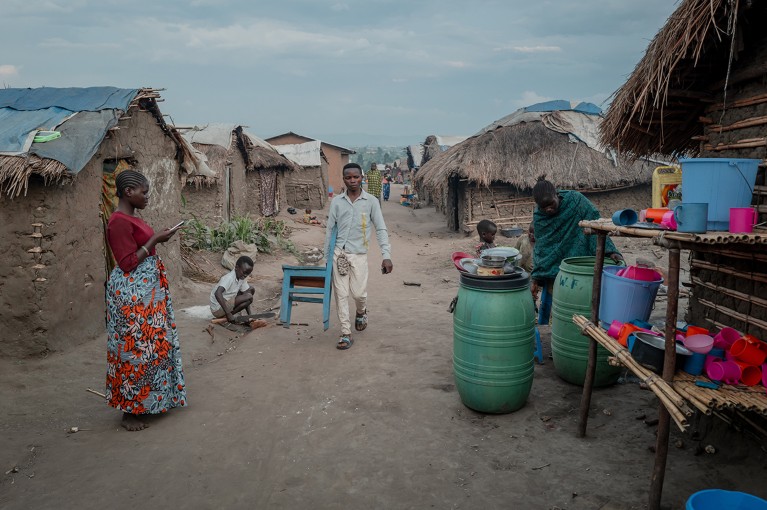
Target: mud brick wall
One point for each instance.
(52, 259)
(728, 288)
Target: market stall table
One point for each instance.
(671, 392)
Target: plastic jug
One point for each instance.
(691, 218)
(666, 185)
(743, 219)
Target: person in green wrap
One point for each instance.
(558, 236)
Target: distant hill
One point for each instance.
(377, 154)
(368, 140)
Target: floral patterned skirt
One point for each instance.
(144, 373)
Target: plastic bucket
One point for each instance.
(624, 299)
(717, 499)
(723, 183)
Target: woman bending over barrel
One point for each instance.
(144, 374)
(558, 236)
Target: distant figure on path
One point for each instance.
(354, 214)
(558, 236)
(386, 187)
(374, 181)
(232, 294)
(144, 373)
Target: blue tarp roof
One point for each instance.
(562, 105)
(87, 99)
(82, 115)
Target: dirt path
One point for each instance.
(278, 418)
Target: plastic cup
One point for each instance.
(747, 352)
(696, 330)
(711, 359)
(725, 371)
(726, 337)
(750, 375)
(623, 217)
(614, 329)
(694, 364)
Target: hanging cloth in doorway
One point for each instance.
(268, 191)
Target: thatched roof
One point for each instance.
(704, 48)
(15, 170)
(518, 154)
(261, 155)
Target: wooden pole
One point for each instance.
(669, 365)
(591, 369)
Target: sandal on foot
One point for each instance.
(344, 343)
(361, 321)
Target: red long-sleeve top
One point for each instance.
(126, 234)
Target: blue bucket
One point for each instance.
(722, 183)
(716, 499)
(624, 299)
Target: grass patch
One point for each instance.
(265, 233)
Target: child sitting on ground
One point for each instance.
(308, 218)
(486, 230)
(232, 294)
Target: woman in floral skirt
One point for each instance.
(144, 373)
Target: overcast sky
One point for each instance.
(338, 70)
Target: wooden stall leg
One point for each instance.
(669, 366)
(591, 368)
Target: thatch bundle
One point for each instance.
(693, 57)
(260, 155)
(518, 154)
(431, 149)
(15, 172)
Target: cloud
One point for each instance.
(458, 64)
(536, 49)
(7, 70)
(340, 6)
(63, 44)
(529, 97)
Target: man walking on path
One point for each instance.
(354, 213)
(375, 180)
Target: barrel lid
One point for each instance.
(582, 265)
(516, 280)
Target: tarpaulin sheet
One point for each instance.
(18, 128)
(80, 138)
(75, 99)
(305, 154)
(210, 134)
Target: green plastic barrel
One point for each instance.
(493, 342)
(569, 347)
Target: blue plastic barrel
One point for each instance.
(722, 183)
(624, 299)
(716, 499)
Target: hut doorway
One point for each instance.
(453, 210)
(108, 205)
(269, 197)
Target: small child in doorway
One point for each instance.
(486, 230)
(232, 294)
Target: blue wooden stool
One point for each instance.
(308, 284)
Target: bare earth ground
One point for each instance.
(278, 418)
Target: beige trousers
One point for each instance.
(355, 282)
